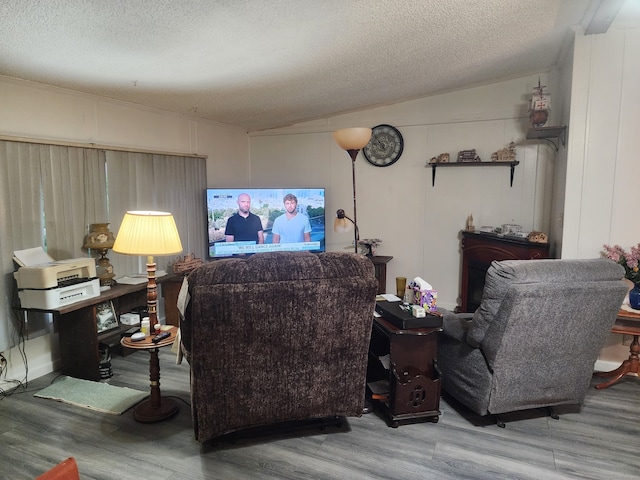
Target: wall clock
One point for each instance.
(385, 146)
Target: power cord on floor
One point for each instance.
(3, 374)
(20, 386)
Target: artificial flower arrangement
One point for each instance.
(629, 260)
(369, 245)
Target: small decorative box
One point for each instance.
(427, 299)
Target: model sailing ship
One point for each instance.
(540, 106)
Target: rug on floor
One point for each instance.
(93, 395)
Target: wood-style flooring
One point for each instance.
(602, 441)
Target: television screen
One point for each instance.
(243, 221)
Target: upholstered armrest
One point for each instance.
(455, 325)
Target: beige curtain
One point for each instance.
(21, 223)
(73, 183)
(50, 194)
(167, 183)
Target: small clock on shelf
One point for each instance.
(385, 146)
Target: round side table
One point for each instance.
(155, 408)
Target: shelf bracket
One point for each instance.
(549, 133)
(513, 169)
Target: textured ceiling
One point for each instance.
(263, 64)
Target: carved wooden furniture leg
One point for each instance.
(155, 408)
(631, 365)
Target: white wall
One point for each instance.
(37, 111)
(602, 164)
(420, 224)
(602, 157)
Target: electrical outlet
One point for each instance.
(627, 339)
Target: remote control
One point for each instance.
(160, 336)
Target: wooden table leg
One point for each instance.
(155, 408)
(631, 365)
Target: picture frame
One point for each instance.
(106, 318)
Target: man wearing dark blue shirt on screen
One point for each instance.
(244, 226)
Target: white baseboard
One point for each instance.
(34, 372)
(605, 366)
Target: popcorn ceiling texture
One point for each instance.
(263, 65)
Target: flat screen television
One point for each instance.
(232, 232)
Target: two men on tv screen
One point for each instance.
(291, 226)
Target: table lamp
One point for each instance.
(100, 239)
(351, 140)
(148, 233)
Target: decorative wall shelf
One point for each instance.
(549, 133)
(472, 164)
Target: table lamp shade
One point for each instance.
(148, 233)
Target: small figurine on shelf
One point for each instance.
(537, 237)
(470, 227)
(442, 158)
(507, 154)
(465, 156)
(540, 106)
(187, 264)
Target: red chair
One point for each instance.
(66, 470)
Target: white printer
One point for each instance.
(48, 284)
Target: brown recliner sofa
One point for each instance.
(277, 337)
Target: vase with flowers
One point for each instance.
(629, 260)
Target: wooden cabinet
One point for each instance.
(479, 250)
(380, 265)
(402, 373)
(170, 290)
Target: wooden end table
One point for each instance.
(155, 408)
(627, 323)
(409, 387)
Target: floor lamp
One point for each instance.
(148, 233)
(352, 140)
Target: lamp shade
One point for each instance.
(148, 233)
(342, 223)
(353, 138)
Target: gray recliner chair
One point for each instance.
(535, 338)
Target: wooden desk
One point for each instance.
(627, 323)
(78, 331)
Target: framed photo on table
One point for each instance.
(106, 318)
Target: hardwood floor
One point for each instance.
(600, 442)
